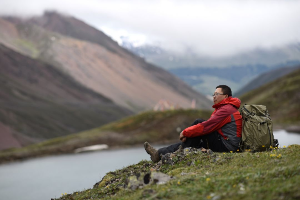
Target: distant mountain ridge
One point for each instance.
(170, 59)
(205, 79)
(266, 78)
(203, 73)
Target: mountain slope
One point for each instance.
(126, 79)
(265, 78)
(39, 102)
(281, 96)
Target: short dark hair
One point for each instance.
(225, 89)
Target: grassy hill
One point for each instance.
(281, 97)
(265, 175)
(149, 126)
(265, 78)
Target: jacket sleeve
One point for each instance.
(215, 122)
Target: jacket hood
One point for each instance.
(236, 102)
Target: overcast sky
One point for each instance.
(211, 28)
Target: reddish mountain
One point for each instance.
(37, 102)
(98, 63)
(59, 76)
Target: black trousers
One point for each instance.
(211, 141)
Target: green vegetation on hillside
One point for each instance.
(148, 126)
(281, 97)
(266, 175)
(28, 47)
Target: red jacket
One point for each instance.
(226, 120)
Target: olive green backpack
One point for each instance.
(257, 132)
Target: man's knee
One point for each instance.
(192, 142)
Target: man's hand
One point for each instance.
(182, 137)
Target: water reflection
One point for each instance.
(286, 138)
(49, 177)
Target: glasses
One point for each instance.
(217, 94)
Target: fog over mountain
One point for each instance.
(208, 28)
(260, 35)
(204, 73)
(284, 55)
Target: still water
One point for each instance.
(49, 177)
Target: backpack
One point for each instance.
(257, 131)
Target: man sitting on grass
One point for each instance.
(222, 132)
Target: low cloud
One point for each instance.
(210, 28)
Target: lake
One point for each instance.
(49, 177)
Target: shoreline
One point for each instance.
(24, 156)
(20, 156)
(293, 129)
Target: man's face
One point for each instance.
(218, 96)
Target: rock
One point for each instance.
(159, 178)
(134, 182)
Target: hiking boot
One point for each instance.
(152, 152)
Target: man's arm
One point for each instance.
(215, 122)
